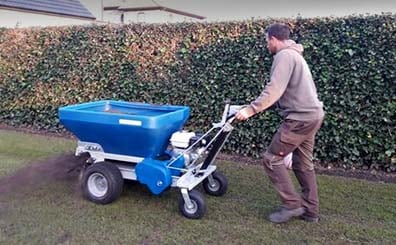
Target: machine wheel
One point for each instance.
(102, 183)
(198, 208)
(218, 186)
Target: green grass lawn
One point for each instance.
(52, 211)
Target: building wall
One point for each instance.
(227, 10)
(218, 10)
(11, 19)
(146, 17)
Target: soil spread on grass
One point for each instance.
(61, 168)
(64, 163)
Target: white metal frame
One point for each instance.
(188, 180)
(192, 175)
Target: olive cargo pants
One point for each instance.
(297, 137)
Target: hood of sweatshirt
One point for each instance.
(290, 44)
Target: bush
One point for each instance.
(353, 62)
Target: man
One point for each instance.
(292, 87)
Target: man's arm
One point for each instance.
(282, 70)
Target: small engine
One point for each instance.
(182, 140)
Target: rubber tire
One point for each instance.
(221, 180)
(114, 179)
(199, 200)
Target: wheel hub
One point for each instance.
(192, 209)
(97, 184)
(214, 185)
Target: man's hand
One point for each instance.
(244, 113)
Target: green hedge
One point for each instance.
(353, 61)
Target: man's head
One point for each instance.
(275, 35)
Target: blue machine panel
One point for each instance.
(125, 128)
(154, 174)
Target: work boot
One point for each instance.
(285, 215)
(309, 219)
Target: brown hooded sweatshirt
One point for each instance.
(291, 86)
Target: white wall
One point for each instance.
(12, 19)
(147, 17)
(226, 10)
(214, 10)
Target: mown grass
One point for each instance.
(19, 149)
(52, 211)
